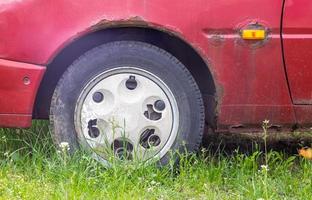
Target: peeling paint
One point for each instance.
(136, 21)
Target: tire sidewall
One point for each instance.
(130, 54)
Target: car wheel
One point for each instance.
(128, 99)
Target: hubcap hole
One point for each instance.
(123, 154)
(93, 131)
(97, 97)
(159, 105)
(131, 83)
(122, 149)
(154, 140)
(151, 114)
(144, 138)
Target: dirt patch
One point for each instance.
(288, 142)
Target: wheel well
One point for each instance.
(172, 44)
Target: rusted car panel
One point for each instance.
(249, 75)
(15, 120)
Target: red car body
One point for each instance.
(252, 80)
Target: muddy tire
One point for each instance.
(130, 90)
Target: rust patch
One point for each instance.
(216, 39)
(136, 21)
(253, 24)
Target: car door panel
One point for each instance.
(297, 44)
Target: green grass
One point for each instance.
(31, 168)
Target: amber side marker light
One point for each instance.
(253, 34)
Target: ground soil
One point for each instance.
(288, 142)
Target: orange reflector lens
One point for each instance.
(250, 34)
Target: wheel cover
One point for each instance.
(126, 112)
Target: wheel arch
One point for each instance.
(168, 41)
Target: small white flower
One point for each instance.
(266, 121)
(264, 167)
(64, 146)
(6, 154)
